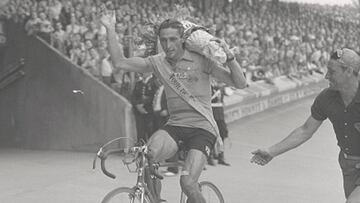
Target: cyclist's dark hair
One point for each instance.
(172, 23)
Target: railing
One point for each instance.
(12, 73)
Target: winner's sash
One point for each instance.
(161, 67)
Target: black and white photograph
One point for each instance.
(190, 101)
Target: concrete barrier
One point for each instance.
(287, 91)
(43, 111)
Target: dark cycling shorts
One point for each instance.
(192, 138)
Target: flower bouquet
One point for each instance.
(197, 37)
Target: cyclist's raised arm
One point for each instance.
(135, 64)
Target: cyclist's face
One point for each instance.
(171, 42)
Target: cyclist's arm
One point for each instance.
(233, 77)
(296, 137)
(135, 64)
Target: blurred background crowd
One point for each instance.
(270, 38)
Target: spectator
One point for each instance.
(106, 68)
(58, 38)
(32, 26)
(217, 104)
(92, 32)
(45, 27)
(73, 27)
(260, 30)
(55, 7)
(75, 47)
(143, 97)
(91, 62)
(83, 27)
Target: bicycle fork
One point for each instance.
(140, 186)
(139, 192)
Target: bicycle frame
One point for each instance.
(142, 187)
(141, 183)
(145, 187)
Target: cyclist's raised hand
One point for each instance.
(261, 157)
(223, 45)
(107, 17)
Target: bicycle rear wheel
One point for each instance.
(209, 191)
(125, 195)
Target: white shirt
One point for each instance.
(106, 67)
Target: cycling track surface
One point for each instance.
(308, 174)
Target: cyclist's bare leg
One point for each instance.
(194, 165)
(161, 147)
(354, 196)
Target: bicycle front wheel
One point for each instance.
(209, 191)
(125, 195)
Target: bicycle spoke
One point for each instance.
(124, 195)
(209, 191)
(209, 195)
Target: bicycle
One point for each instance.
(145, 189)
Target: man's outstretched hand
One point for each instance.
(261, 157)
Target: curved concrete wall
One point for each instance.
(40, 110)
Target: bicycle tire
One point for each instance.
(112, 196)
(204, 186)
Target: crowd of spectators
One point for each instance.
(272, 38)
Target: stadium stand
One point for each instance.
(273, 38)
(283, 47)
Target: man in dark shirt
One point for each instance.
(142, 99)
(340, 103)
(217, 104)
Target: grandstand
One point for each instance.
(283, 48)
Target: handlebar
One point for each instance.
(133, 150)
(103, 168)
(103, 156)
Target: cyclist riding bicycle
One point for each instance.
(186, 78)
